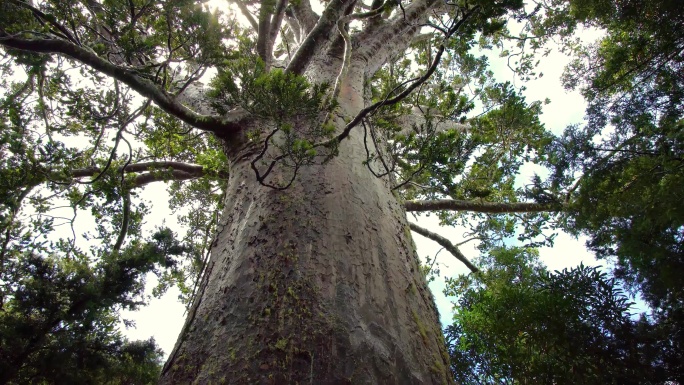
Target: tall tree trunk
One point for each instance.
(317, 284)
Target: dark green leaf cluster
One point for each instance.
(59, 319)
(270, 94)
(621, 172)
(629, 155)
(149, 36)
(59, 306)
(517, 323)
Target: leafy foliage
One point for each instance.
(293, 113)
(517, 323)
(59, 317)
(628, 157)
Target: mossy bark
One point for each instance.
(316, 284)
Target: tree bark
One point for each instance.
(316, 284)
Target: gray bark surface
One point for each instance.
(316, 284)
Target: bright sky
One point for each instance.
(164, 317)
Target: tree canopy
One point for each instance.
(100, 99)
(518, 323)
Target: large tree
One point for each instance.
(316, 134)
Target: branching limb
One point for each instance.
(153, 172)
(445, 243)
(398, 32)
(263, 34)
(342, 28)
(305, 16)
(124, 221)
(401, 96)
(175, 175)
(386, 102)
(480, 207)
(276, 22)
(219, 125)
(43, 18)
(312, 44)
(376, 20)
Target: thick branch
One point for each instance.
(216, 124)
(383, 40)
(176, 175)
(264, 34)
(386, 102)
(313, 42)
(306, 17)
(417, 82)
(36, 12)
(445, 243)
(480, 207)
(276, 22)
(342, 27)
(125, 220)
(246, 13)
(177, 171)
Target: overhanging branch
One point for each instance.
(480, 207)
(152, 172)
(305, 16)
(217, 124)
(445, 243)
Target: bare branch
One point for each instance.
(177, 171)
(219, 125)
(445, 243)
(246, 13)
(480, 207)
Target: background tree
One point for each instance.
(59, 318)
(632, 81)
(620, 169)
(518, 323)
(616, 173)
